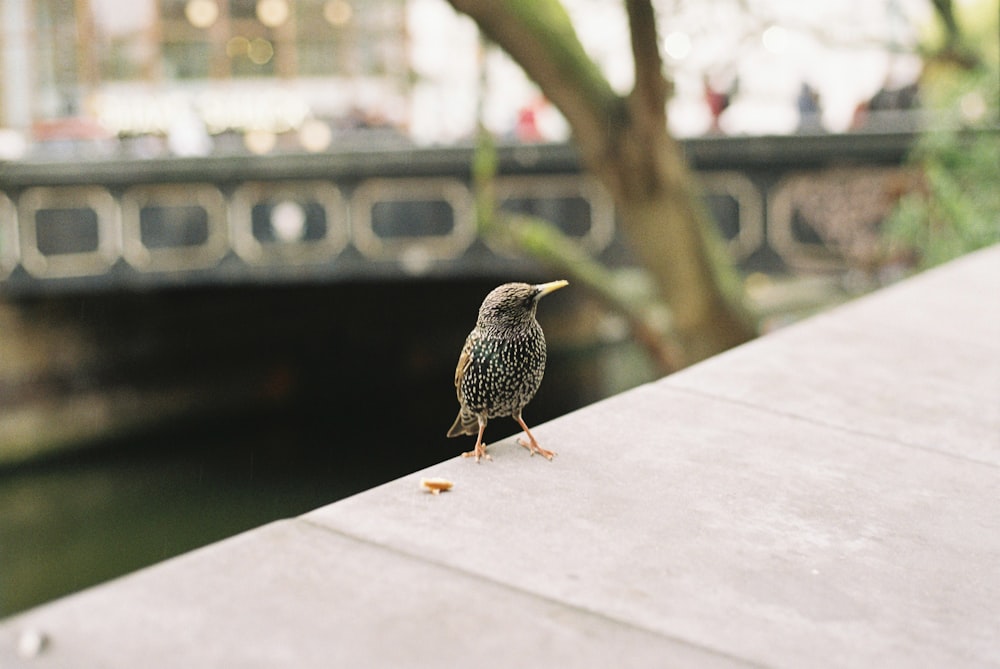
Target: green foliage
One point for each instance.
(484, 171)
(958, 209)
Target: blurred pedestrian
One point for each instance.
(810, 113)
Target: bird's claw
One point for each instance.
(479, 452)
(533, 448)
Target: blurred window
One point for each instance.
(85, 43)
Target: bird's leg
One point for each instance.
(530, 442)
(480, 449)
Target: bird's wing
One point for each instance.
(463, 360)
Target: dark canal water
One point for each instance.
(349, 387)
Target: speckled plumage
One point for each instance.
(502, 363)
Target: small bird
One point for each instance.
(502, 363)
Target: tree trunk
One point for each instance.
(625, 143)
(704, 321)
(662, 213)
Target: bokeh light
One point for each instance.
(201, 13)
(315, 135)
(260, 141)
(288, 221)
(775, 39)
(272, 13)
(260, 51)
(237, 46)
(338, 12)
(677, 45)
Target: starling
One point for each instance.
(502, 363)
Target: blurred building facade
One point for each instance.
(71, 70)
(305, 74)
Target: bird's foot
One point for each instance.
(477, 453)
(533, 448)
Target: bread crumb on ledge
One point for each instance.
(436, 486)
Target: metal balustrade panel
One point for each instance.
(830, 219)
(10, 251)
(170, 227)
(288, 222)
(68, 231)
(414, 222)
(738, 208)
(576, 204)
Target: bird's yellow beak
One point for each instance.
(546, 288)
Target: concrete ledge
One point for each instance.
(825, 496)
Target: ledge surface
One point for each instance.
(825, 496)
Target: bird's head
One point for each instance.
(513, 304)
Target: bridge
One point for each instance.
(801, 203)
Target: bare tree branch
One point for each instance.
(946, 13)
(954, 48)
(650, 89)
(546, 243)
(540, 37)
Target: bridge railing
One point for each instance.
(783, 203)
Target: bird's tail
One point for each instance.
(466, 423)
